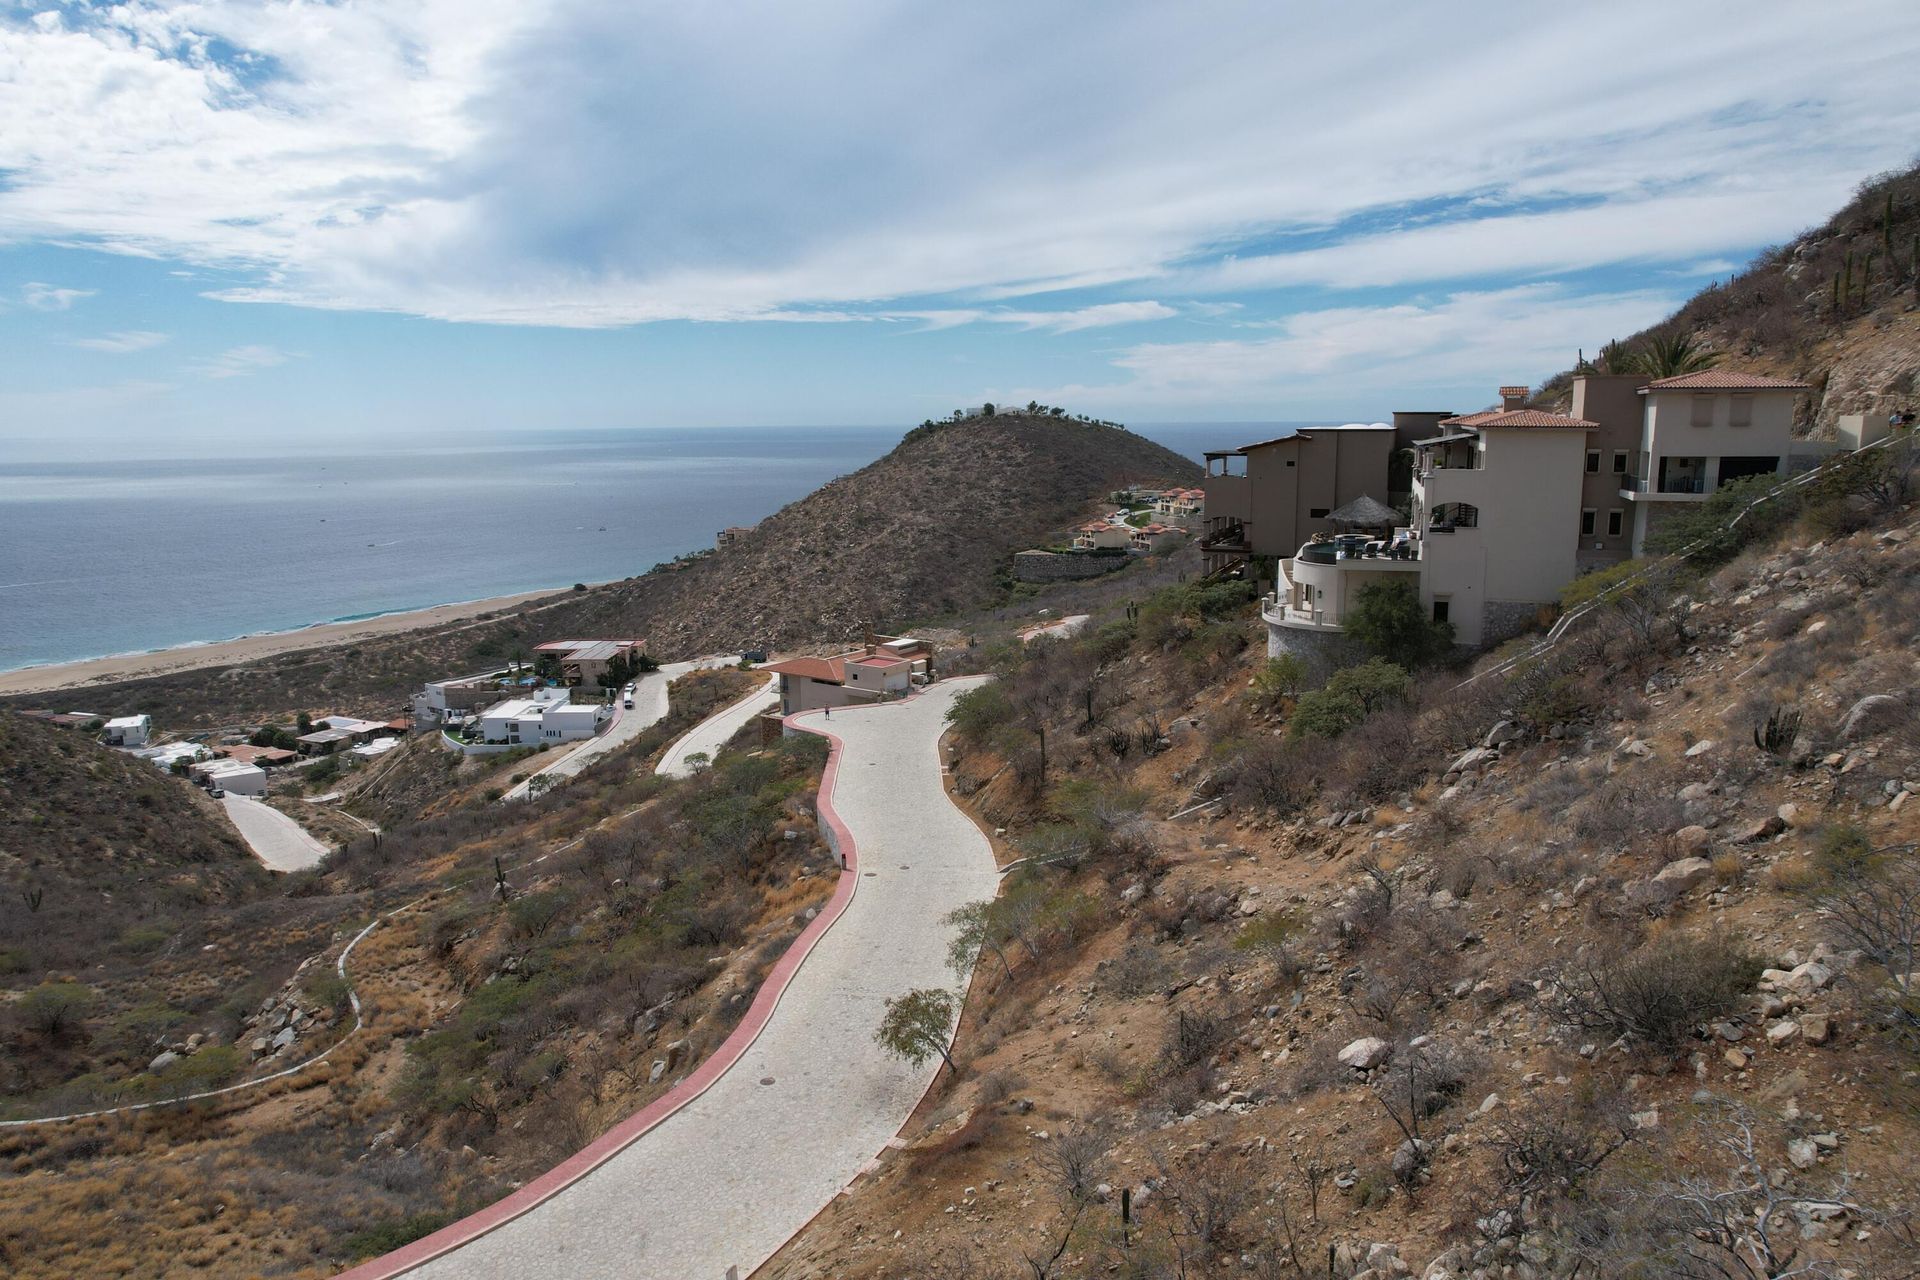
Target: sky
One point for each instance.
(326, 219)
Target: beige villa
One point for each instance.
(1266, 498)
(1511, 504)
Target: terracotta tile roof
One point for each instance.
(1517, 418)
(1724, 380)
(826, 670)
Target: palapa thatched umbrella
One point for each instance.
(1364, 513)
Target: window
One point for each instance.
(1586, 522)
(1616, 520)
(1619, 462)
(1289, 461)
(1703, 411)
(1741, 412)
(1317, 513)
(1440, 609)
(1593, 462)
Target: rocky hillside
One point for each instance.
(1838, 307)
(922, 532)
(1600, 968)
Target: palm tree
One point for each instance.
(1668, 355)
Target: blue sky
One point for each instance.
(311, 218)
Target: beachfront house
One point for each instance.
(127, 731)
(1269, 497)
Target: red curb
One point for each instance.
(627, 1132)
(623, 1135)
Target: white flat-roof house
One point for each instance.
(541, 720)
(162, 757)
(1511, 504)
(127, 731)
(231, 776)
(1701, 431)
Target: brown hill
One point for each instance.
(922, 532)
(1837, 306)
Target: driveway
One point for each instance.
(707, 737)
(1060, 629)
(649, 708)
(739, 1157)
(276, 839)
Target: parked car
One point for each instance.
(626, 696)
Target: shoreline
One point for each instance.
(84, 672)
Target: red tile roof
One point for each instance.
(1724, 380)
(825, 670)
(1518, 418)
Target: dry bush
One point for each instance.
(1138, 969)
(1658, 995)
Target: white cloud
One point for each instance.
(1099, 316)
(238, 362)
(123, 343)
(1463, 345)
(46, 297)
(563, 162)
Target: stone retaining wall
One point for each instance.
(1054, 566)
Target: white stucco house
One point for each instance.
(127, 731)
(231, 776)
(545, 718)
(1704, 430)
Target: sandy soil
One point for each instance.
(73, 675)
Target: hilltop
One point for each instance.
(923, 532)
(1837, 307)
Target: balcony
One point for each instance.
(1682, 488)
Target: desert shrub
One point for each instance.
(1193, 1036)
(1709, 529)
(1843, 852)
(1622, 810)
(1280, 680)
(54, 1007)
(979, 711)
(1379, 757)
(388, 1236)
(1658, 994)
(1138, 969)
(1272, 773)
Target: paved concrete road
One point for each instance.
(731, 1176)
(707, 737)
(276, 839)
(649, 708)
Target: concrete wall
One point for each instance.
(1317, 470)
(1049, 566)
(1670, 431)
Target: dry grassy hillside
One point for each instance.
(922, 532)
(1838, 306)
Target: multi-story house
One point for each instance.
(1266, 498)
(1511, 504)
(1703, 430)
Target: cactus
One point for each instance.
(1777, 735)
(1886, 226)
(1866, 275)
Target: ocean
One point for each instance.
(106, 555)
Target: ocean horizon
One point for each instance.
(113, 556)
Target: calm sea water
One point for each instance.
(104, 555)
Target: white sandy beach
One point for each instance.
(132, 666)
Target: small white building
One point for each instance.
(164, 756)
(128, 731)
(231, 776)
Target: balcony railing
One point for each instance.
(1668, 484)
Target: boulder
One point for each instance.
(285, 1037)
(1811, 976)
(1871, 714)
(1685, 874)
(1501, 734)
(1366, 1053)
(659, 1071)
(1802, 1153)
(1782, 1033)
(164, 1061)
(1693, 840)
(1816, 1028)
(1765, 829)
(1700, 748)
(1409, 1158)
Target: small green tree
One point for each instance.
(1350, 697)
(1282, 678)
(915, 1025)
(1387, 619)
(1716, 530)
(52, 1007)
(305, 722)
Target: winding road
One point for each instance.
(649, 708)
(713, 733)
(737, 1158)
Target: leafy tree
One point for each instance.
(1282, 678)
(980, 710)
(1668, 355)
(304, 721)
(1388, 620)
(1350, 697)
(915, 1025)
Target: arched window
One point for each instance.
(1455, 515)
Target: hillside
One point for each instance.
(922, 532)
(1599, 968)
(1837, 307)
